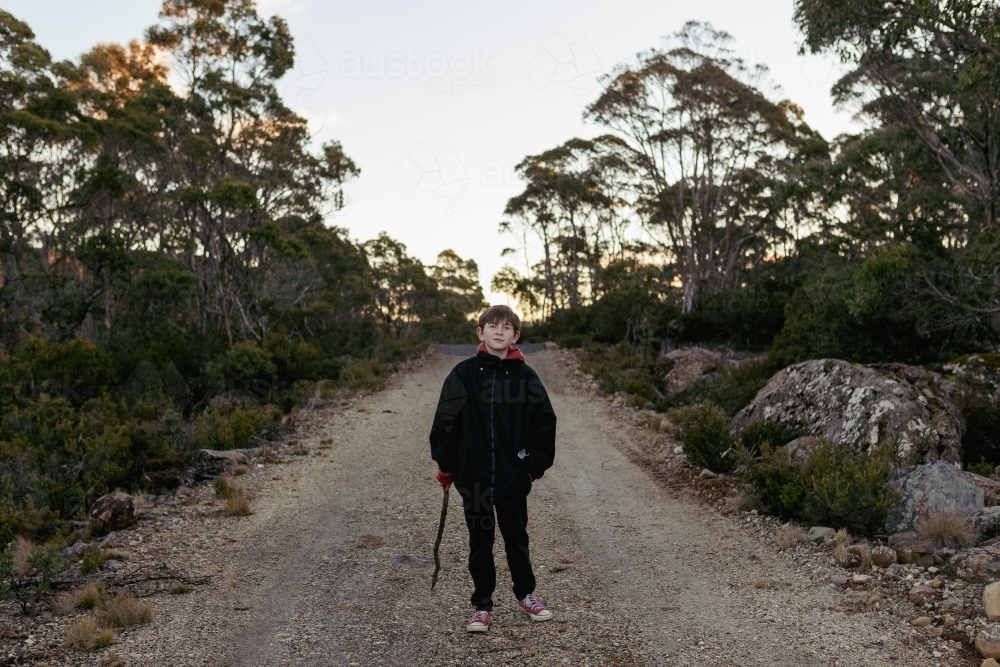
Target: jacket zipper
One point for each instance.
(493, 441)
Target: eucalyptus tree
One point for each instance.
(709, 151)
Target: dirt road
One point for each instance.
(334, 567)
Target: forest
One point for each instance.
(170, 279)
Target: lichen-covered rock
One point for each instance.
(979, 371)
(209, 463)
(861, 406)
(933, 488)
(685, 367)
(988, 642)
(114, 511)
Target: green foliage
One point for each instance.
(704, 430)
(835, 487)
(231, 424)
(767, 434)
(733, 389)
(26, 573)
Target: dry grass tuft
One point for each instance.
(64, 604)
(240, 470)
(369, 542)
(883, 556)
(237, 504)
(224, 486)
(840, 542)
(92, 560)
(91, 596)
(790, 535)
(300, 450)
(84, 634)
(178, 588)
(763, 582)
(947, 529)
(326, 444)
(24, 549)
(124, 611)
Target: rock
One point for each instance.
(114, 511)
(991, 601)
(981, 561)
(932, 488)
(550, 345)
(798, 450)
(989, 662)
(685, 367)
(921, 622)
(934, 632)
(839, 580)
(112, 565)
(860, 578)
(818, 534)
(986, 520)
(981, 372)
(919, 593)
(883, 556)
(861, 406)
(988, 642)
(707, 474)
(938, 582)
(209, 463)
(949, 620)
(679, 449)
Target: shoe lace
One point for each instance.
(480, 616)
(531, 601)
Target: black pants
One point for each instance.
(512, 518)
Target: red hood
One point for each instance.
(513, 354)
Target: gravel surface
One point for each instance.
(334, 566)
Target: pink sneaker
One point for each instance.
(480, 621)
(535, 608)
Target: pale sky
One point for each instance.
(437, 101)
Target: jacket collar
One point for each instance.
(513, 354)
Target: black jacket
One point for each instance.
(491, 410)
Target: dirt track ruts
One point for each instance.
(334, 567)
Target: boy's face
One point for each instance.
(497, 337)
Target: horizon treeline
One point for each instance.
(168, 280)
(711, 211)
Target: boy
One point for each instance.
(494, 434)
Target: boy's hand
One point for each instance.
(445, 478)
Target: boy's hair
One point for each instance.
(500, 315)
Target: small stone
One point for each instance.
(819, 534)
(707, 474)
(861, 578)
(989, 662)
(921, 621)
(839, 580)
(883, 556)
(920, 593)
(932, 570)
(679, 449)
(949, 620)
(991, 601)
(934, 631)
(938, 582)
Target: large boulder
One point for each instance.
(114, 511)
(931, 489)
(861, 406)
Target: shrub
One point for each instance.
(26, 573)
(245, 367)
(766, 432)
(92, 560)
(835, 487)
(732, 390)
(230, 424)
(704, 430)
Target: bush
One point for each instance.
(245, 367)
(124, 611)
(732, 390)
(230, 425)
(704, 430)
(835, 487)
(766, 433)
